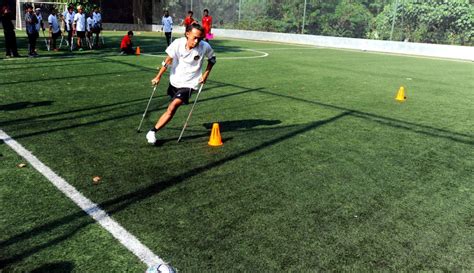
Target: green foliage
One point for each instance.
(87, 5)
(433, 21)
(350, 19)
(429, 22)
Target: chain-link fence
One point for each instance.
(432, 21)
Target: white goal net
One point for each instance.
(45, 6)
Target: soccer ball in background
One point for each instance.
(160, 268)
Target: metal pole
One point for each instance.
(304, 17)
(191, 5)
(19, 16)
(393, 20)
(190, 113)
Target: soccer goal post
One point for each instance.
(45, 6)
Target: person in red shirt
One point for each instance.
(126, 47)
(189, 20)
(206, 24)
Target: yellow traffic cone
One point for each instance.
(401, 94)
(215, 139)
(137, 51)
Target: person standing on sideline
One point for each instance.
(30, 22)
(189, 20)
(206, 24)
(54, 29)
(126, 46)
(11, 49)
(167, 26)
(97, 24)
(68, 21)
(79, 26)
(39, 25)
(185, 58)
(89, 29)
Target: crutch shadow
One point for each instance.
(161, 142)
(225, 126)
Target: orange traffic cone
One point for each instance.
(215, 139)
(401, 94)
(137, 52)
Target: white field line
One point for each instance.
(263, 55)
(114, 228)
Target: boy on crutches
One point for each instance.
(185, 58)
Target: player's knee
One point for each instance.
(173, 107)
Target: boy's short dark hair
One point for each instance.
(194, 26)
(130, 32)
(206, 10)
(28, 6)
(190, 12)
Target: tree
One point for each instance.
(350, 19)
(436, 21)
(138, 11)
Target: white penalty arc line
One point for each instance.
(263, 55)
(92, 209)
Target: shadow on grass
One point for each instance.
(80, 76)
(128, 114)
(30, 119)
(392, 122)
(418, 128)
(227, 126)
(122, 202)
(24, 104)
(58, 267)
(233, 125)
(25, 66)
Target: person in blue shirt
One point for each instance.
(31, 20)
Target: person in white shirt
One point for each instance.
(89, 29)
(54, 29)
(97, 17)
(79, 26)
(68, 21)
(39, 25)
(185, 58)
(167, 26)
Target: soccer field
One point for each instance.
(321, 169)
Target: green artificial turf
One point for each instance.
(321, 169)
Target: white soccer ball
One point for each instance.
(160, 268)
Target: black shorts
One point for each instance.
(81, 34)
(180, 93)
(56, 35)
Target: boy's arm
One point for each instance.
(164, 66)
(210, 63)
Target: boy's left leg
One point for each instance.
(163, 120)
(168, 37)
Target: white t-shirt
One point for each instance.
(90, 23)
(38, 25)
(69, 19)
(53, 21)
(186, 68)
(80, 21)
(97, 17)
(167, 23)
